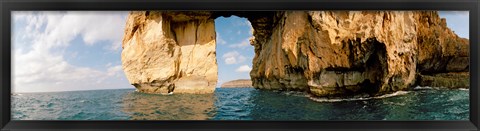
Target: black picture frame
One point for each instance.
(6, 6)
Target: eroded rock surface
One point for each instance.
(336, 53)
(325, 53)
(170, 52)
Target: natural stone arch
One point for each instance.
(326, 53)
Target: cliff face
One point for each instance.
(443, 58)
(237, 83)
(167, 51)
(331, 53)
(439, 49)
(326, 53)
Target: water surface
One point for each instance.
(238, 104)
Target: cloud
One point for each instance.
(245, 43)
(109, 64)
(243, 68)
(233, 57)
(242, 22)
(40, 47)
(61, 27)
(249, 25)
(115, 71)
(219, 82)
(220, 40)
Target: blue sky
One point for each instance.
(234, 52)
(65, 51)
(457, 21)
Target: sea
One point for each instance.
(422, 103)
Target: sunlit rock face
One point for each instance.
(170, 52)
(443, 57)
(325, 53)
(338, 53)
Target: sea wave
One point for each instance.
(319, 99)
(16, 94)
(295, 93)
(436, 88)
(424, 88)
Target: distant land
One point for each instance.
(237, 83)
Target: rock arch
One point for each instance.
(326, 53)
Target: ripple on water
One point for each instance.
(240, 104)
(323, 99)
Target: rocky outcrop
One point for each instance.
(443, 57)
(170, 52)
(447, 80)
(338, 53)
(439, 49)
(237, 83)
(325, 53)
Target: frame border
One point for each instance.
(6, 6)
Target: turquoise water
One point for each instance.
(238, 104)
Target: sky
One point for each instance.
(77, 50)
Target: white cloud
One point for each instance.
(220, 40)
(247, 23)
(230, 60)
(62, 27)
(243, 22)
(115, 71)
(108, 64)
(243, 68)
(219, 82)
(39, 64)
(243, 44)
(233, 57)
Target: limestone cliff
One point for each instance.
(237, 83)
(336, 53)
(325, 53)
(170, 51)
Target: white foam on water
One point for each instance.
(423, 88)
(436, 88)
(296, 93)
(16, 94)
(398, 93)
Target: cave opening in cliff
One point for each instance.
(233, 51)
(375, 66)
